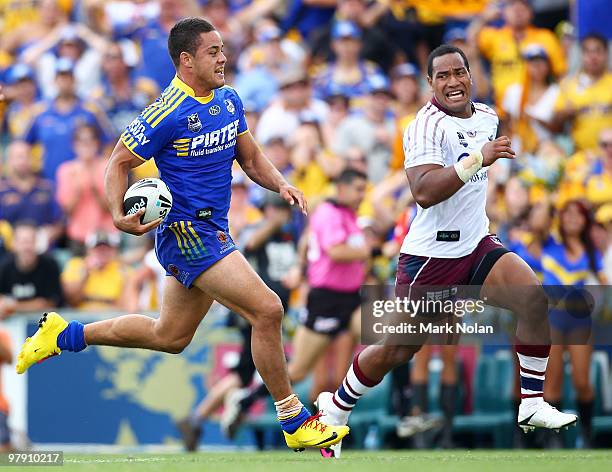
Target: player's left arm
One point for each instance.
(259, 169)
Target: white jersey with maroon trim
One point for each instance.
(454, 227)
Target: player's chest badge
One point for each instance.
(193, 123)
(471, 134)
(214, 110)
(230, 106)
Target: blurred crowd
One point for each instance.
(328, 85)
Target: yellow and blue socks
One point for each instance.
(72, 338)
(291, 413)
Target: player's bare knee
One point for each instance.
(269, 311)
(533, 304)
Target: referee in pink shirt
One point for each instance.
(337, 257)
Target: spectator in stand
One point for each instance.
(6, 357)
(599, 182)
(122, 95)
(405, 85)
(371, 132)
(22, 94)
(306, 16)
(314, 165)
(262, 65)
(242, 212)
(145, 287)
(585, 100)
(218, 12)
(378, 47)
(348, 73)
(604, 218)
(502, 46)
(153, 40)
(54, 127)
(96, 281)
(529, 104)
(572, 261)
(80, 188)
(295, 100)
(75, 42)
(339, 108)
(26, 196)
(29, 282)
(48, 16)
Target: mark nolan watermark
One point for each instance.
(431, 328)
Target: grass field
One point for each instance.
(358, 461)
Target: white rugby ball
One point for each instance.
(151, 194)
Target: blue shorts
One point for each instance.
(187, 248)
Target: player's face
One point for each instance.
(451, 83)
(209, 61)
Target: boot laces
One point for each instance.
(314, 423)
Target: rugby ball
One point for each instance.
(151, 194)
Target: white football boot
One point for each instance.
(332, 415)
(534, 415)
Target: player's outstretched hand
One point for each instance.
(292, 195)
(131, 223)
(499, 148)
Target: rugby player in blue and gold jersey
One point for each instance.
(194, 131)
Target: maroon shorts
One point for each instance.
(442, 272)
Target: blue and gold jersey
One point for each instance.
(557, 269)
(193, 141)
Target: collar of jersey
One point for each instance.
(178, 83)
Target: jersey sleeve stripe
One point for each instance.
(244, 132)
(155, 106)
(131, 149)
(489, 111)
(170, 110)
(168, 104)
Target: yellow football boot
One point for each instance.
(44, 342)
(313, 433)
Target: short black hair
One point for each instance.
(185, 36)
(596, 37)
(349, 174)
(443, 50)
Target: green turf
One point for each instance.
(358, 461)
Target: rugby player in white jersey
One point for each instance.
(448, 149)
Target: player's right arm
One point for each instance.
(115, 186)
